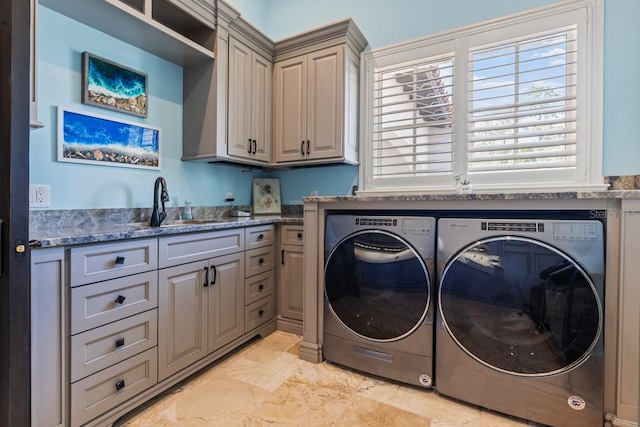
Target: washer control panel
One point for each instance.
(577, 231)
(416, 226)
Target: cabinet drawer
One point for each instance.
(107, 345)
(258, 287)
(258, 261)
(104, 302)
(259, 312)
(291, 235)
(202, 10)
(197, 247)
(108, 388)
(111, 260)
(258, 237)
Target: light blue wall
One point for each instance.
(385, 22)
(61, 42)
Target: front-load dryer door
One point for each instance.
(377, 286)
(520, 306)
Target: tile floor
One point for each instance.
(266, 384)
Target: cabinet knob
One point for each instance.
(119, 260)
(119, 385)
(260, 313)
(120, 299)
(261, 286)
(260, 236)
(299, 236)
(260, 261)
(119, 342)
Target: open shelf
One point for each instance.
(166, 30)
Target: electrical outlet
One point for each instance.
(313, 193)
(39, 196)
(229, 195)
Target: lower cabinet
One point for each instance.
(114, 324)
(290, 293)
(48, 336)
(201, 306)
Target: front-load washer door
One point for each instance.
(520, 306)
(377, 286)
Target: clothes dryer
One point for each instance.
(378, 306)
(520, 321)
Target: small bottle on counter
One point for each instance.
(186, 212)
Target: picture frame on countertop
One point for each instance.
(109, 85)
(94, 139)
(266, 196)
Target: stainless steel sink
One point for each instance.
(175, 223)
(184, 222)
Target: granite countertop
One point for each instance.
(91, 233)
(565, 195)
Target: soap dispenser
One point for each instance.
(186, 212)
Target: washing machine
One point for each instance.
(378, 288)
(520, 320)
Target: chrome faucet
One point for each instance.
(157, 218)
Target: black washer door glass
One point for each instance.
(520, 306)
(377, 285)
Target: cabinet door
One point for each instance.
(260, 105)
(48, 335)
(325, 103)
(290, 109)
(226, 299)
(240, 138)
(291, 296)
(182, 317)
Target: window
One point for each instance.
(512, 104)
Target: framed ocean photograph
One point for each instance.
(116, 87)
(101, 140)
(266, 196)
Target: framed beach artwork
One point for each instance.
(101, 140)
(116, 87)
(266, 196)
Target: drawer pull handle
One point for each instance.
(299, 236)
(260, 261)
(308, 151)
(119, 342)
(120, 260)
(260, 236)
(120, 299)
(302, 148)
(119, 385)
(255, 146)
(215, 273)
(260, 313)
(261, 286)
(206, 277)
(282, 257)
(249, 150)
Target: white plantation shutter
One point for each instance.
(413, 120)
(510, 104)
(522, 104)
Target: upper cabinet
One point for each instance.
(250, 81)
(180, 31)
(316, 96)
(227, 103)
